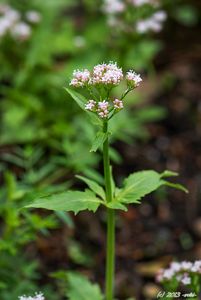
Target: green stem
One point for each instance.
(110, 259)
(110, 255)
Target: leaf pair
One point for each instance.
(140, 184)
(135, 187)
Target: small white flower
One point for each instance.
(168, 274)
(4, 26)
(141, 2)
(36, 297)
(103, 105)
(186, 265)
(33, 16)
(108, 74)
(186, 280)
(21, 30)
(103, 109)
(90, 105)
(133, 78)
(175, 266)
(196, 267)
(80, 78)
(12, 15)
(113, 6)
(160, 16)
(118, 104)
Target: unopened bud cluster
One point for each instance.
(104, 76)
(181, 272)
(103, 108)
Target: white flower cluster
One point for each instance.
(133, 79)
(180, 271)
(104, 74)
(38, 296)
(80, 78)
(11, 22)
(107, 76)
(142, 2)
(103, 108)
(113, 6)
(154, 23)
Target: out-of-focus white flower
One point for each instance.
(133, 79)
(113, 6)
(186, 265)
(80, 78)
(21, 31)
(160, 16)
(90, 105)
(168, 274)
(36, 297)
(186, 279)
(12, 15)
(141, 2)
(144, 26)
(118, 104)
(4, 26)
(175, 266)
(154, 23)
(33, 16)
(181, 271)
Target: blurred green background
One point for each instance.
(45, 140)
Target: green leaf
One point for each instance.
(99, 140)
(176, 186)
(95, 187)
(168, 173)
(116, 205)
(80, 288)
(68, 201)
(79, 99)
(139, 184)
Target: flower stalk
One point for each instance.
(110, 250)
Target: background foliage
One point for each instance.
(45, 139)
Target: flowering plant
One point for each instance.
(102, 107)
(180, 274)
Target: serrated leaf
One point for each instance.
(80, 288)
(68, 201)
(79, 99)
(94, 186)
(139, 184)
(99, 140)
